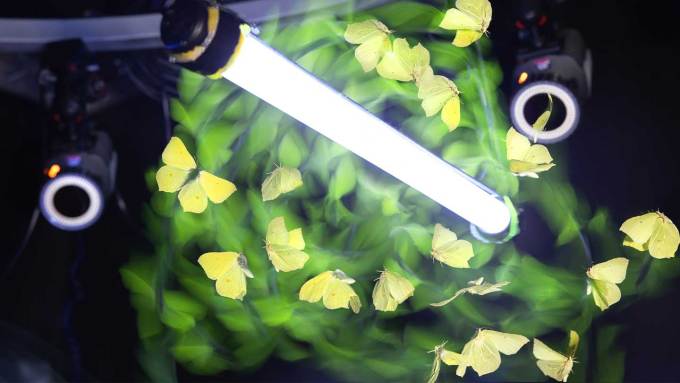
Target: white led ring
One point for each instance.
(556, 90)
(55, 217)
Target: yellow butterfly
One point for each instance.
(193, 195)
(554, 364)
(440, 94)
(526, 160)
(404, 63)
(470, 19)
(603, 280)
(476, 287)
(482, 352)
(448, 249)
(654, 232)
(281, 180)
(284, 247)
(442, 355)
(229, 270)
(391, 290)
(372, 37)
(335, 290)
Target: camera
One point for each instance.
(553, 61)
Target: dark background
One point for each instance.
(622, 157)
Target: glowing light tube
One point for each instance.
(270, 76)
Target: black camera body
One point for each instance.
(550, 60)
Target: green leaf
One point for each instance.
(263, 131)
(179, 114)
(274, 311)
(292, 150)
(215, 142)
(344, 180)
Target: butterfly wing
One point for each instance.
(451, 113)
(382, 299)
(455, 19)
(605, 293)
(271, 186)
(339, 294)
(483, 356)
(232, 284)
(465, 38)
(399, 287)
(447, 301)
(369, 53)
(295, 239)
(217, 189)
(545, 353)
(455, 254)
(435, 91)
(176, 155)
(359, 33)
(507, 344)
(281, 180)
(397, 63)
(442, 236)
(517, 145)
(277, 234)
(538, 154)
(170, 179)
(664, 241)
(451, 358)
(193, 198)
(421, 63)
(613, 270)
(465, 359)
(543, 119)
(313, 290)
(286, 258)
(478, 8)
(573, 343)
(640, 229)
(215, 264)
(487, 288)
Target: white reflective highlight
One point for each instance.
(281, 83)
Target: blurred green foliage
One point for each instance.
(358, 219)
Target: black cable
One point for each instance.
(24, 242)
(167, 124)
(76, 297)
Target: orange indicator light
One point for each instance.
(53, 170)
(523, 77)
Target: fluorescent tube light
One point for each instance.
(270, 76)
